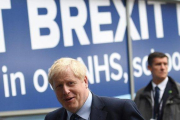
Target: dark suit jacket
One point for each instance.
(104, 108)
(171, 101)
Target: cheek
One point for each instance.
(58, 94)
(167, 68)
(157, 69)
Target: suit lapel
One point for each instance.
(97, 112)
(62, 115)
(147, 93)
(169, 92)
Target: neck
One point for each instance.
(157, 81)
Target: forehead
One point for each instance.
(157, 60)
(64, 74)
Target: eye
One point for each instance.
(59, 86)
(71, 83)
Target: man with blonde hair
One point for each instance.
(70, 83)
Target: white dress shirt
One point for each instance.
(85, 111)
(162, 87)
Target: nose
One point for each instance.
(163, 66)
(66, 90)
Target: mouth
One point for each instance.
(164, 73)
(69, 99)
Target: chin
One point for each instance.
(162, 78)
(73, 110)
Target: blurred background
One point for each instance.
(111, 37)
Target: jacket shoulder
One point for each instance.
(140, 91)
(55, 114)
(126, 109)
(115, 102)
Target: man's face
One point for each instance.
(159, 68)
(70, 91)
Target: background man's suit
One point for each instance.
(171, 101)
(104, 108)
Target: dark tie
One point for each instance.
(156, 102)
(76, 117)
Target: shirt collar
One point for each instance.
(161, 85)
(84, 112)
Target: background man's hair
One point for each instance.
(155, 55)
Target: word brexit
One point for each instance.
(87, 11)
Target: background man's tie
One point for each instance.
(156, 102)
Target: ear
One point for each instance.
(149, 67)
(86, 81)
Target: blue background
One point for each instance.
(19, 55)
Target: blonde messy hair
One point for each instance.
(60, 67)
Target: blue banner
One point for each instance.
(35, 33)
(157, 28)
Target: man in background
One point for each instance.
(160, 99)
(69, 81)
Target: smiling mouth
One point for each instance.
(69, 99)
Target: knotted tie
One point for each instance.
(76, 117)
(156, 102)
